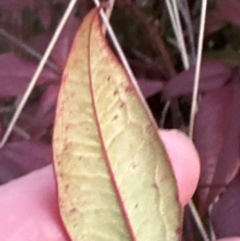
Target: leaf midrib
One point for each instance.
(104, 149)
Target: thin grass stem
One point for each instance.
(164, 113)
(173, 12)
(194, 108)
(198, 221)
(177, 27)
(198, 68)
(185, 12)
(182, 45)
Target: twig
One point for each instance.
(38, 71)
(154, 34)
(28, 49)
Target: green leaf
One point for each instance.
(115, 182)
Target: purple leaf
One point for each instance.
(40, 42)
(229, 9)
(217, 140)
(44, 14)
(214, 21)
(19, 158)
(63, 45)
(226, 212)
(150, 87)
(62, 48)
(214, 74)
(38, 117)
(14, 5)
(15, 74)
(44, 113)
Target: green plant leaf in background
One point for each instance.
(115, 182)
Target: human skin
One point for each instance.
(29, 209)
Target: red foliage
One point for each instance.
(15, 74)
(19, 158)
(214, 74)
(229, 9)
(226, 212)
(217, 140)
(217, 129)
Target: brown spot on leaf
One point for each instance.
(135, 165)
(115, 117)
(129, 88)
(115, 92)
(65, 147)
(73, 210)
(148, 127)
(154, 185)
(136, 206)
(122, 104)
(179, 231)
(64, 78)
(108, 78)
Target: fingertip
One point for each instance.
(30, 210)
(185, 162)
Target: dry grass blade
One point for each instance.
(38, 72)
(198, 221)
(177, 27)
(194, 107)
(173, 12)
(185, 13)
(198, 67)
